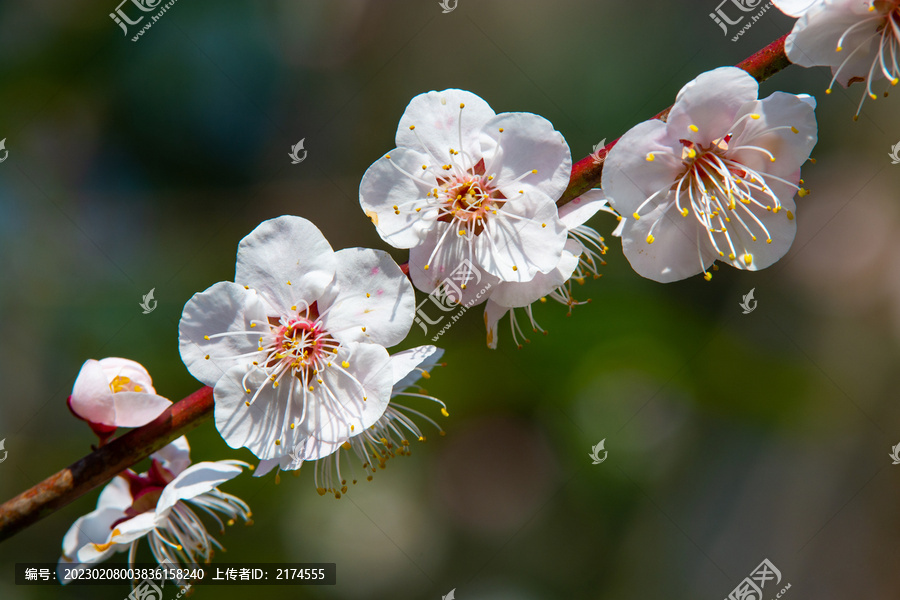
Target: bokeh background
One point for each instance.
(732, 438)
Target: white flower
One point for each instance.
(714, 182)
(581, 256)
(157, 505)
(387, 438)
(295, 349)
(859, 40)
(115, 392)
(465, 183)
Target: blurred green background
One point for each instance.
(732, 438)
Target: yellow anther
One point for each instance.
(748, 258)
(693, 128)
(444, 412)
(345, 364)
(205, 337)
(292, 425)
(731, 256)
(426, 267)
(790, 216)
(387, 156)
(794, 129)
(636, 216)
(277, 442)
(461, 105)
(754, 116)
(515, 268)
(411, 127)
(500, 130)
(707, 275)
(650, 157)
(650, 239)
(534, 171)
(684, 212)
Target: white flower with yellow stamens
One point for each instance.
(158, 506)
(716, 181)
(295, 349)
(465, 183)
(387, 438)
(858, 39)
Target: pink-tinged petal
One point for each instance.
(753, 255)
(452, 269)
(681, 247)
(705, 108)
(577, 212)
(629, 178)
(135, 409)
(772, 131)
(522, 143)
(174, 457)
(91, 397)
(814, 40)
(370, 299)
(440, 124)
(515, 295)
(197, 479)
(493, 312)
(224, 307)
(135, 372)
(93, 528)
(794, 8)
(287, 259)
(523, 239)
(408, 365)
(399, 181)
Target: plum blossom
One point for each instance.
(582, 257)
(295, 349)
(114, 392)
(387, 438)
(858, 39)
(465, 183)
(716, 181)
(158, 506)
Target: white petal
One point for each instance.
(128, 531)
(331, 417)
(175, 456)
(91, 397)
(92, 528)
(193, 481)
(116, 494)
(676, 251)
(515, 295)
(384, 186)
(576, 212)
(135, 409)
(223, 307)
(493, 312)
(523, 239)
(122, 367)
(440, 124)
(406, 365)
(793, 8)
(370, 299)
(709, 103)
(265, 466)
(791, 150)
(281, 250)
(629, 178)
(527, 143)
(781, 227)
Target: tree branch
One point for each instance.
(587, 173)
(103, 464)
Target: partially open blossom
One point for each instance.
(858, 39)
(295, 349)
(387, 438)
(159, 506)
(465, 183)
(582, 256)
(716, 181)
(115, 392)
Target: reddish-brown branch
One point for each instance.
(103, 464)
(587, 173)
